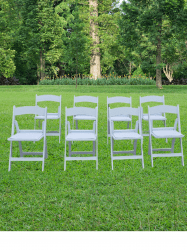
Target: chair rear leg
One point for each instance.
(94, 148)
(20, 149)
(70, 149)
(9, 167)
(112, 149)
(182, 157)
(142, 153)
(135, 147)
(172, 145)
(76, 122)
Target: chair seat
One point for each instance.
(121, 118)
(166, 133)
(84, 117)
(81, 136)
(125, 134)
(154, 117)
(50, 116)
(27, 135)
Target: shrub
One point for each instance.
(100, 81)
(9, 81)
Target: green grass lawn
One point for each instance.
(82, 198)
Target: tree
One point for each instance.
(7, 54)
(151, 19)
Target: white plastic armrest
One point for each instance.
(17, 127)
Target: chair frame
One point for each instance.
(155, 117)
(118, 99)
(127, 134)
(77, 132)
(78, 99)
(165, 132)
(50, 116)
(28, 135)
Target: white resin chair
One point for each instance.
(126, 134)
(157, 116)
(50, 116)
(73, 135)
(81, 99)
(126, 118)
(165, 132)
(28, 135)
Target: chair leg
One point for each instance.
(59, 130)
(76, 122)
(165, 126)
(108, 130)
(127, 125)
(182, 157)
(112, 149)
(142, 153)
(65, 157)
(135, 147)
(150, 150)
(9, 167)
(69, 148)
(172, 145)
(20, 149)
(94, 147)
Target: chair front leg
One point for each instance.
(172, 145)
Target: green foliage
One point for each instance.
(100, 81)
(7, 65)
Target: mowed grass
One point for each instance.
(82, 198)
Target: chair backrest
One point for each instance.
(119, 99)
(164, 109)
(126, 111)
(28, 110)
(152, 98)
(52, 98)
(91, 99)
(80, 111)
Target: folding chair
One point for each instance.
(126, 134)
(28, 135)
(127, 118)
(72, 135)
(78, 99)
(157, 116)
(50, 116)
(165, 132)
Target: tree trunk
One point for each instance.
(95, 68)
(42, 65)
(159, 59)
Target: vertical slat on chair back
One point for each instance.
(92, 99)
(52, 98)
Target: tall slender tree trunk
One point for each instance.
(42, 65)
(95, 67)
(159, 59)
